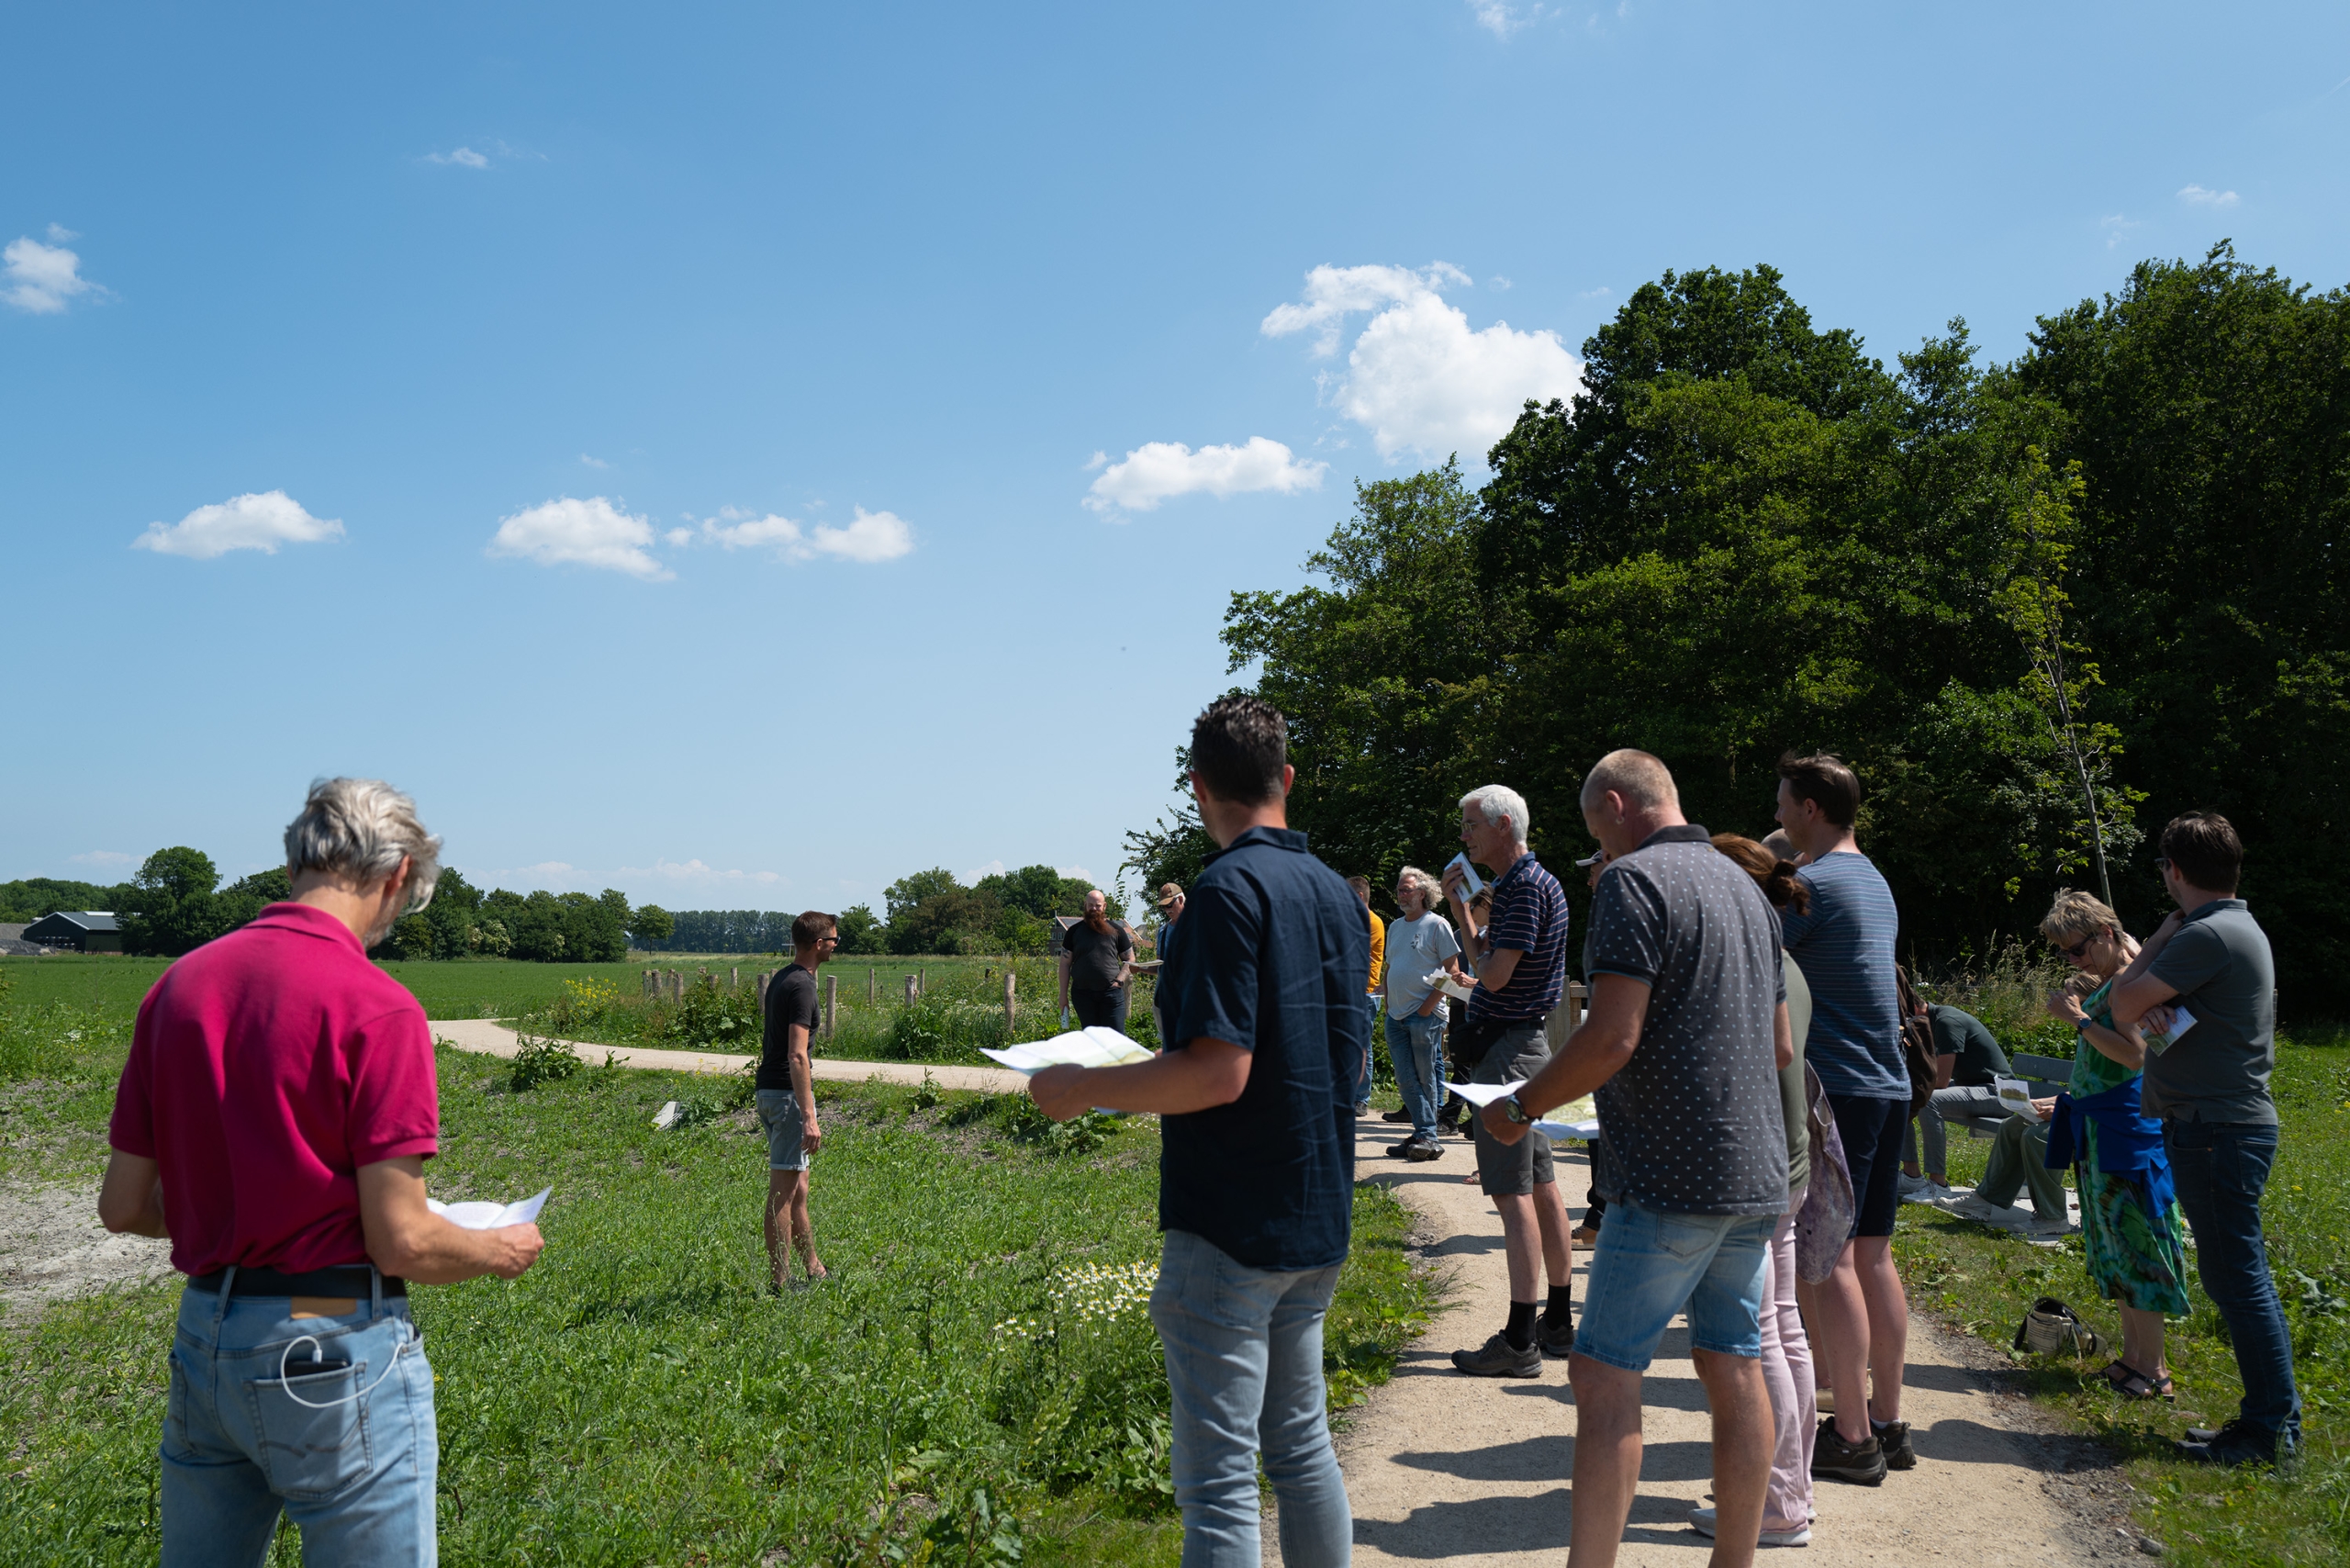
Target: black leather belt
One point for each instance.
(344, 1279)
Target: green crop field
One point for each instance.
(641, 1395)
(472, 988)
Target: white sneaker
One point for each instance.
(1973, 1206)
(1702, 1521)
(1910, 1186)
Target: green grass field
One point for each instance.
(640, 1396)
(1984, 1279)
(471, 988)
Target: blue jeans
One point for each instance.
(356, 1477)
(1243, 1362)
(2220, 1169)
(1650, 1264)
(1413, 1045)
(1372, 1010)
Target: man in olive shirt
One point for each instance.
(1968, 1064)
(2209, 1086)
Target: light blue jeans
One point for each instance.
(356, 1477)
(1374, 1009)
(1650, 1265)
(1413, 1044)
(1244, 1361)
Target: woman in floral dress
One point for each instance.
(2136, 1249)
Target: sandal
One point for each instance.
(2132, 1384)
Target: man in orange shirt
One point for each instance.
(1361, 885)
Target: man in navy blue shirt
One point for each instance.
(1263, 998)
(1520, 955)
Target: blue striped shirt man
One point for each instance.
(1529, 914)
(1844, 945)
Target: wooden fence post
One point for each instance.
(911, 990)
(1010, 984)
(923, 984)
(645, 981)
(764, 979)
(870, 993)
(734, 977)
(832, 1002)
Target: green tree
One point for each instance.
(456, 906)
(907, 891)
(860, 930)
(174, 908)
(650, 924)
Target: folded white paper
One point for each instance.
(2181, 1021)
(1440, 979)
(2014, 1098)
(1096, 1044)
(489, 1216)
(1555, 1130)
(1471, 883)
(1482, 1093)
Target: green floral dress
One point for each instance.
(2133, 1260)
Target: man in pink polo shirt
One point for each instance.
(273, 1122)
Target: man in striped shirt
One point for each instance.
(1520, 956)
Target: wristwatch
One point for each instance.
(1516, 1112)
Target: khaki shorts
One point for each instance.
(1513, 1168)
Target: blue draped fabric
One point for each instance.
(2129, 1142)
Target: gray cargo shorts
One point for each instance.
(1513, 1168)
(779, 1119)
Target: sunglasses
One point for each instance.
(2161, 862)
(2081, 946)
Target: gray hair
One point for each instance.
(1427, 886)
(362, 828)
(1640, 779)
(1500, 804)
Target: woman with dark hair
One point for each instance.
(2134, 1247)
(1786, 1349)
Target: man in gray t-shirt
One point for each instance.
(1687, 1030)
(2209, 1086)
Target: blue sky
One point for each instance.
(740, 454)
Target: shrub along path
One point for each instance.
(1442, 1467)
(492, 1039)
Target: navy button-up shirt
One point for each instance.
(1271, 959)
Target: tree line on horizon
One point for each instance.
(2041, 607)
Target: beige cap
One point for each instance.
(1168, 892)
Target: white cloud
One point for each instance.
(1502, 19)
(2117, 228)
(679, 538)
(1418, 377)
(2196, 196)
(993, 869)
(593, 462)
(592, 532)
(464, 157)
(43, 278)
(59, 234)
(697, 873)
(260, 522)
(1075, 873)
(1160, 470)
(102, 858)
(871, 537)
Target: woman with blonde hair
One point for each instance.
(2129, 1220)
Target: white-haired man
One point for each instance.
(1686, 1033)
(272, 1121)
(1420, 944)
(1520, 957)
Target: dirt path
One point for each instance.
(52, 1246)
(495, 1039)
(1471, 1471)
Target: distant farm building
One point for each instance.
(76, 931)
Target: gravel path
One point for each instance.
(1445, 1468)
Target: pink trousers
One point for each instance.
(1786, 1372)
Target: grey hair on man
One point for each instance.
(1431, 893)
(1641, 779)
(1499, 803)
(360, 830)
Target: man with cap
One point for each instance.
(1171, 910)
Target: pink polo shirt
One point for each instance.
(267, 1067)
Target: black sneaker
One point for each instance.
(1555, 1337)
(1398, 1115)
(1834, 1459)
(2238, 1443)
(1498, 1358)
(1420, 1150)
(1892, 1441)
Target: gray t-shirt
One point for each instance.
(1415, 949)
(1693, 1122)
(2218, 1071)
(1096, 957)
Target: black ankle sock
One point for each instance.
(1520, 1331)
(1561, 1303)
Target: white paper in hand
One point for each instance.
(2014, 1098)
(1097, 1045)
(1471, 883)
(1482, 1093)
(2181, 1021)
(489, 1216)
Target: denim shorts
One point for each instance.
(1650, 1264)
(779, 1119)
